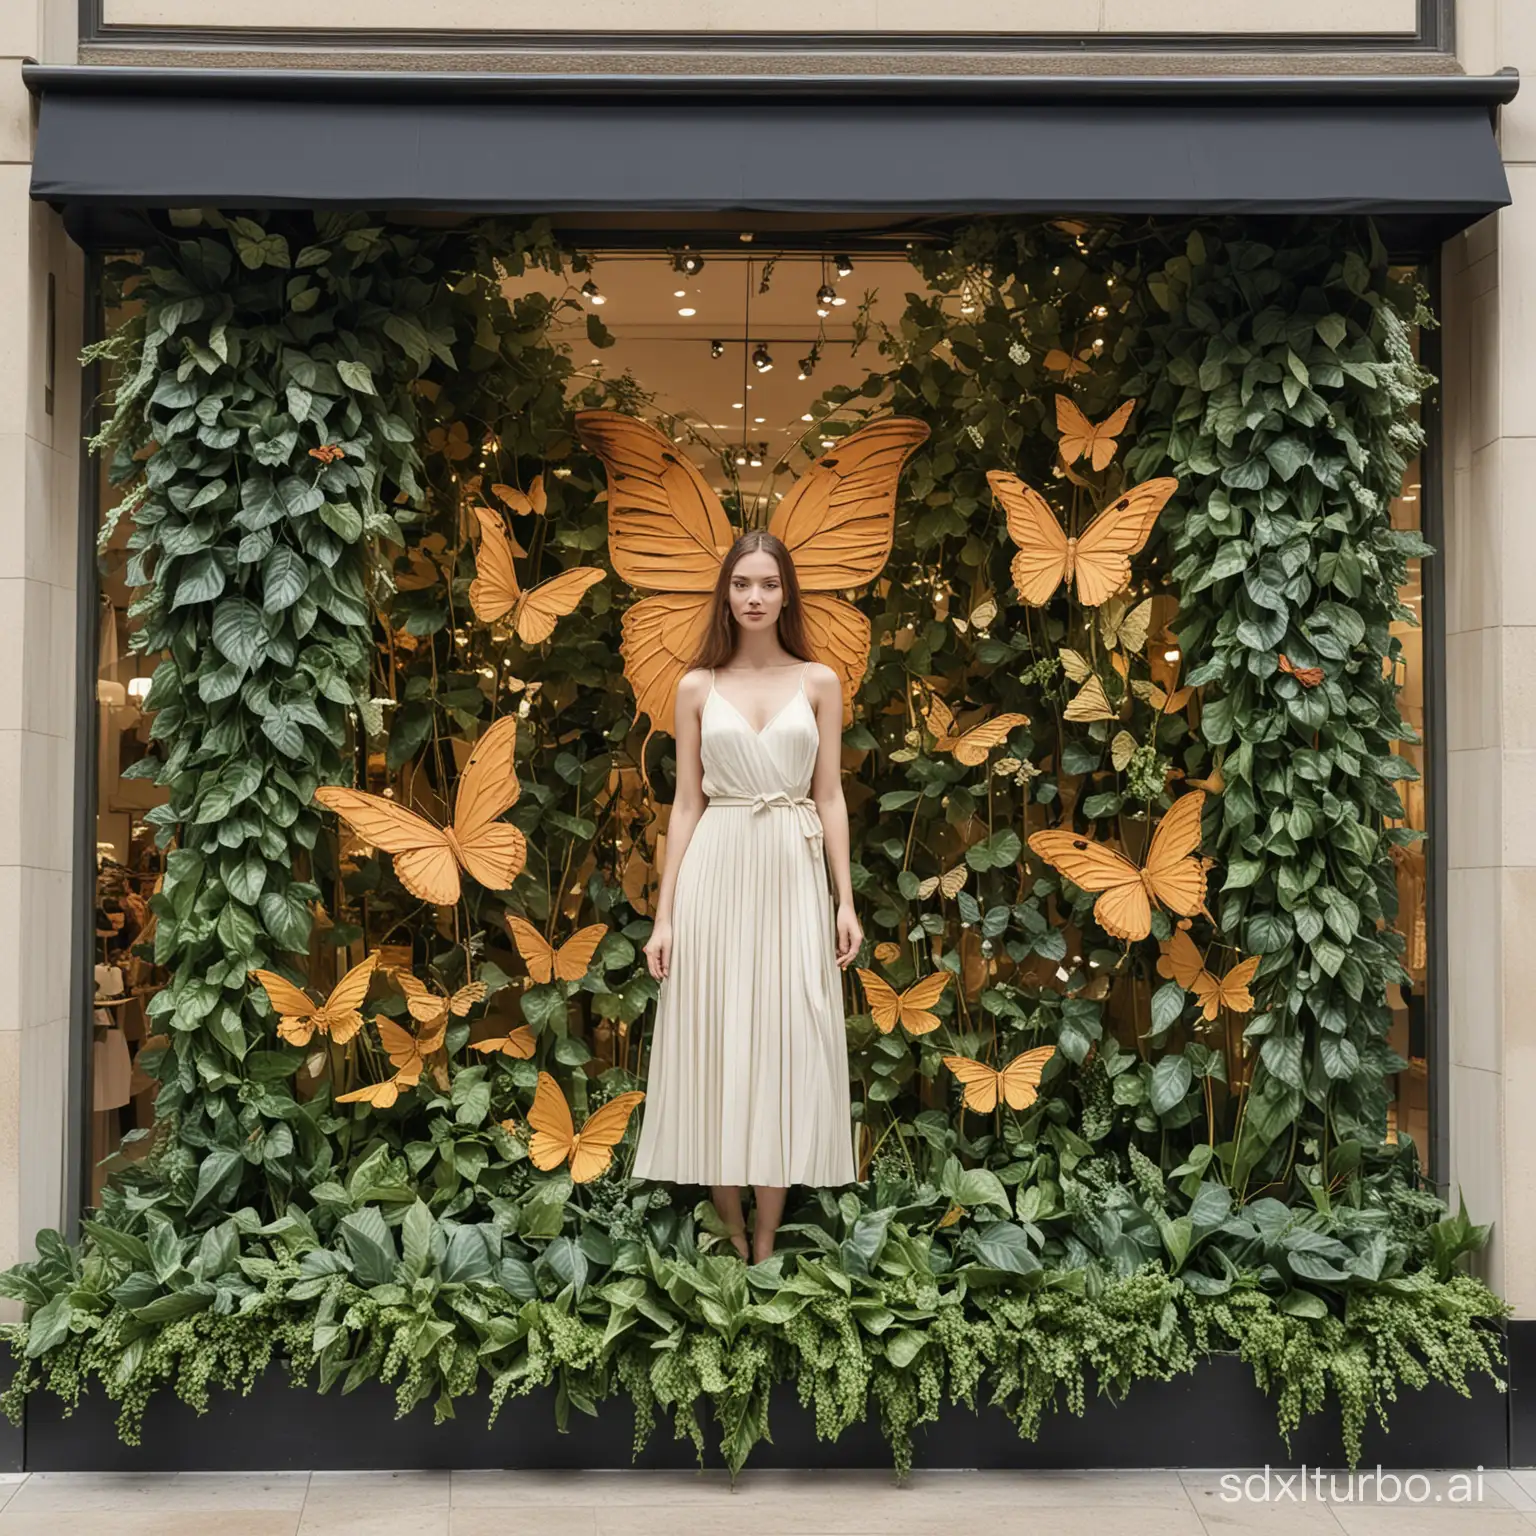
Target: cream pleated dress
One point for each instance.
(748, 1077)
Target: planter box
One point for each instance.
(1214, 1417)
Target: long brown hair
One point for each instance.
(719, 642)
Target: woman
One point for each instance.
(748, 1078)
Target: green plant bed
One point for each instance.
(697, 1336)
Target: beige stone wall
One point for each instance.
(39, 468)
(1076, 17)
(1490, 556)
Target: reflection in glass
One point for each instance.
(128, 872)
(1408, 1112)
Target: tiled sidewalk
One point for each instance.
(763, 1504)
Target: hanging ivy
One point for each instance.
(261, 431)
(1284, 386)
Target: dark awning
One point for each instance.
(1417, 150)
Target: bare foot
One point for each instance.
(726, 1199)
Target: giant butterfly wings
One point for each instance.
(668, 533)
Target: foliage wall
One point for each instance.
(307, 415)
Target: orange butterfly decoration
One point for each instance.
(328, 453)
(971, 746)
(949, 884)
(496, 591)
(668, 533)
(556, 1140)
(545, 963)
(428, 857)
(1059, 361)
(407, 1054)
(535, 500)
(300, 1019)
(1182, 962)
(911, 1009)
(1174, 874)
(1097, 561)
(1082, 439)
(1090, 702)
(1017, 1084)
(431, 1008)
(424, 569)
(517, 1043)
(1213, 783)
(1308, 677)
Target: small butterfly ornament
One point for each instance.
(556, 1140)
(912, 1009)
(971, 746)
(407, 1054)
(570, 962)
(1182, 962)
(496, 591)
(300, 1018)
(1096, 563)
(428, 858)
(1173, 875)
(1017, 1085)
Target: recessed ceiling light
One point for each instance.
(759, 419)
(736, 405)
(687, 313)
(680, 293)
(807, 417)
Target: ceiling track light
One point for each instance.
(590, 294)
(826, 296)
(717, 349)
(843, 266)
(689, 263)
(761, 360)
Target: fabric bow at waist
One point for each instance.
(802, 805)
